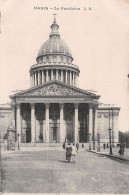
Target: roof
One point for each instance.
(103, 106)
(54, 45)
(55, 89)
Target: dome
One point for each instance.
(54, 61)
(54, 45)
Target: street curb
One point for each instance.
(110, 156)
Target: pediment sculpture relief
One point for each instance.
(54, 89)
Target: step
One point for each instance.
(39, 144)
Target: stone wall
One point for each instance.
(103, 124)
(5, 119)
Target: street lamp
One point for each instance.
(112, 128)
(110, 141)
(98, 139)
(110, 135)
(89, 141)
(18, 141)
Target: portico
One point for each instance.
(64, 113)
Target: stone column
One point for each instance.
(77, 80)
(18, 107)
(66, 77)
(39, 77)
(32, 122)
(73, 79)
(32, 80)
(94, 132)
(91, 119)
(46, 75)
(70, 77)
(62, 138)
(56, 74)
(47, 122)
(62, 75)
(13, 115)
(95, 121)
(75, 83)
(51, 74)
(42, 76)
(35, 79)
(76, 137)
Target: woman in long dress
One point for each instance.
(68, 152)
(74, 152)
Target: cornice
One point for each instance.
(52, 54)
(107, 108)
(38, 67)
(3, 108)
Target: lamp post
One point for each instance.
(110, 135)
(112, 128)
(18, 141)
(98, 139)
(110, 141)
(89, 141)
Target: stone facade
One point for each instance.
(106, 116)
(54, 112)
(5, 118)
(54, 108)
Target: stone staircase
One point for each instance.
(39, 144)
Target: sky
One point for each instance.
(97, 35)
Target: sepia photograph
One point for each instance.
(64, 97)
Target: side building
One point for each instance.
(5, 118)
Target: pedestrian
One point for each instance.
(107, 145)
(64, 145)
(74, 152)
(104, 146)
(122, 149)
(82, 145)
(68, 152)
(77, 146)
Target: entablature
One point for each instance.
(54, 100)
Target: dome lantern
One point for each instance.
(54, 28)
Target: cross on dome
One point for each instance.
(54, 17)
(54, 28)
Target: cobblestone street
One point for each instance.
(46, 171)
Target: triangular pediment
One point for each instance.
(55, 88)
